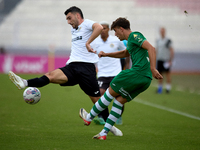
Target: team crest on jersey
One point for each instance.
(137, 37)
(79, 28)
(112, 45)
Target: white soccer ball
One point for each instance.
(32, 95)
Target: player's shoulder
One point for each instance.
(167, 39)
(88, 21)
(136, 33)
(87, 24)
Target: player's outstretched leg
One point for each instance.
(22, 83)
(18, 81)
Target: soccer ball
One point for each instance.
(31, 95)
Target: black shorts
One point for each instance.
(160, 66)
(104, 82)
(83, 74)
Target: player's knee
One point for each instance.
(94, 99)
(121, 99)
(102, 91)
(50, 76)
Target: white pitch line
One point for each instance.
(166, 108)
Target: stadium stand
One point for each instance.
(37, 25)
(191, 6)
(6, 6)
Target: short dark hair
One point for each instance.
(120, 22)
(74, 9)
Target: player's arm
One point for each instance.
(152, 58)
(118, 54)
(171, 55)
(127, 62)
(97, 28)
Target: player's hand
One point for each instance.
(90, 49)
(156, 74)
(101, 54)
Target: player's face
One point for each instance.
(72, 20)
(119, 33)
(162, 32)
(105, 31)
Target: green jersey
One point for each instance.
(139, 56)
(131, 82)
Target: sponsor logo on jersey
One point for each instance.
(77, 38)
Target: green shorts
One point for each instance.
(128, 83)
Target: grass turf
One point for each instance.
(54, 123)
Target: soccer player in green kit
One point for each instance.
(128, 83)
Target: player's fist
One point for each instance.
(101, 54)
(89, 48)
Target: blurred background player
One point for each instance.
(165, 55)
(80, 68)
(107, 67)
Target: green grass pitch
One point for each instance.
(150, 122)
